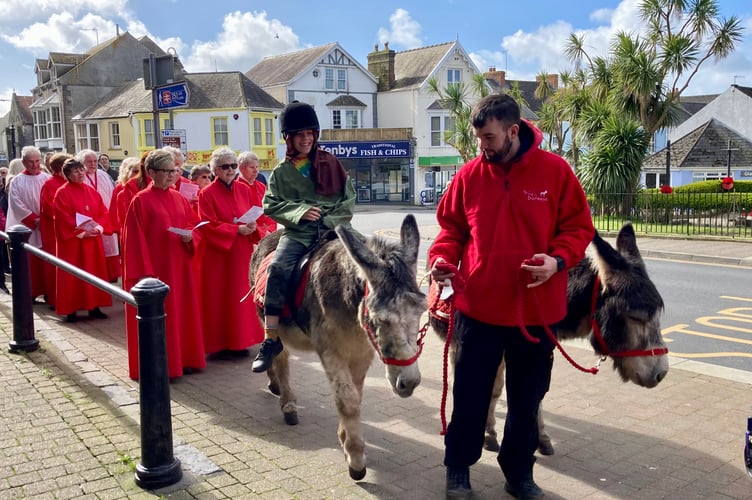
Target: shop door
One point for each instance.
(363, 184)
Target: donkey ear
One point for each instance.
(357, 249)
(410, 236)
(606, 259)
(626, 241)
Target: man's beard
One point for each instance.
(497, 156)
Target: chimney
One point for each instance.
(499, 76)
(553, 81)
(381, 65)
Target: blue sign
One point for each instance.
(368, 149)
(172, 96)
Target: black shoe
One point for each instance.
(524, 489)
(97, 313)
(269, 350)
(458, 482)
(71, 318)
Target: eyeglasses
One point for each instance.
(204, 177)
(168, 170)
(228, 166)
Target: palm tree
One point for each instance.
(458, 100)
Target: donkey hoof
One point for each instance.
(491, 444)
(545, 448)
(291, 418)
(357, 475)
(274, 388)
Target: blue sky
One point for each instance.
(235, 35)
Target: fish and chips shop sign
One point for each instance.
(367, 149)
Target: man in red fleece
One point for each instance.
(513, 220)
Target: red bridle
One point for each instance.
(372, 337)
(660, 351)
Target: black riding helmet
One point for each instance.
(298, 116)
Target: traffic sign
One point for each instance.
(175, 95)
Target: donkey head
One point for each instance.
(394, 302)
(628, 309)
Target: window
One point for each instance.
(329, 78)
(40, 124)
(115, 135)
(440, 125)
(87, 136)
(269, 131)
(345, 118)
(454, 77)
(257, 131)
(166, 124)
(149, 133)
(54, 129)
(335, 79)
(221, 135)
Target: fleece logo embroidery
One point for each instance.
(531, 196)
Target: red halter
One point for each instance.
(372, 337)
(660, 351)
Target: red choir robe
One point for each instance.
(112, 209)
(150, 250)
(86, 253)
(222, 261)
(259, 189)
(102, 184)
(47, 230)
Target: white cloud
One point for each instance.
(246, 38)
(403, 31)
(14, 11)
(601, 15)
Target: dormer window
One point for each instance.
(454, 76)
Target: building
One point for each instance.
(224, 109)
(16, 128)
(344, 95)
(69, 83)
(406, 101)
(713, 140)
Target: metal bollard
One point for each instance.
(158, 466)
(23, 316)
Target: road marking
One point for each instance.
(680, 328)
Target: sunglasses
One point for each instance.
(228, 166)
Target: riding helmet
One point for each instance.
(298, 116)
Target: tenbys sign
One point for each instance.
(366, 149)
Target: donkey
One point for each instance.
(361, 297)
(611, 299)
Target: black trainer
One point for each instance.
(269, 350)
(97, 313)
(524, 489)
(458, 482)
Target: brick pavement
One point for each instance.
(69, 414)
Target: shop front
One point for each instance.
(383, 171)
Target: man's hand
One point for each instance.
(541, 267)
(437, 274)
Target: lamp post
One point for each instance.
(729, 149)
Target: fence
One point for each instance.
(721, 215)
(158, 466)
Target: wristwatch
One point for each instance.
(560, 264)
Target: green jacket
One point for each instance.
(289, 195)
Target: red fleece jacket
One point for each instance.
(492, 220)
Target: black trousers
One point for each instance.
(528, 377)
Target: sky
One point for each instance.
(234, 35)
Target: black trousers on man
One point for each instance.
(528, 376)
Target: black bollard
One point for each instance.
(23, 316)
(158, 467)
